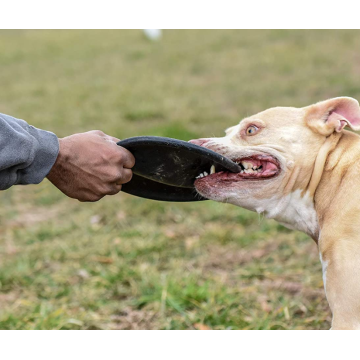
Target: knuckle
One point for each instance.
(114, 176)
(88, 196)
(131, 161)
(87, 199)
(114, 190)
(104, 191)
(124, 176)
(98, 132)
(97, 197)
(129, 176)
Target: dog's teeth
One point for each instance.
(203, 174)
(212, 169)
(246, 165)
(249, 171)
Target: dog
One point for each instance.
(301, 168)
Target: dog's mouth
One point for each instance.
(255, 167)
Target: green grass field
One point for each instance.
(130, 263)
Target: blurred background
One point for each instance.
(131, 263)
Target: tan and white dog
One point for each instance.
(301, 168)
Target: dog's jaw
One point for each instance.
(238, 189)
(293, 210)
(277, 197)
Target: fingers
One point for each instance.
(124, 176)
(115, 188)
(127, 158)
(88, 197)
(110, 189)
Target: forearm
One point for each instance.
(27, 154)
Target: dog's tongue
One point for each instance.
(270, 167)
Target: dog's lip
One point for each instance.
(224, 176)
(260, 157)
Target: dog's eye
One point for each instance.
(251, 130)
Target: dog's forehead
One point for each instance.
(278, 115)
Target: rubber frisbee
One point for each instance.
(165, 169)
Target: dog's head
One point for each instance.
(277, 150)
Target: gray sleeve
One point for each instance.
(27, 154)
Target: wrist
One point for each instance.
(61, 158)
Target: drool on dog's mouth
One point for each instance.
(254, 167)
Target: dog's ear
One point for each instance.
(334, 114)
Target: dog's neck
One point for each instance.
(337, 190)
(296, 209)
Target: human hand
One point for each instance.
(90, 165)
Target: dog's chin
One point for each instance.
(250, 195)
(229, 192)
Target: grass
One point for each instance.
(130, 263)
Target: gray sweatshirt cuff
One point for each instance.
(46, 153)
(27, 154)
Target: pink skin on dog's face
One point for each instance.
(266, 167)
(263, 146)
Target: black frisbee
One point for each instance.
(165, 169)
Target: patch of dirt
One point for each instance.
(220, 257)
(290, 287)
(130, 319)
(8, 298)
(28, 216)
(200, 326)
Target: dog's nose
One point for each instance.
(199, 142)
